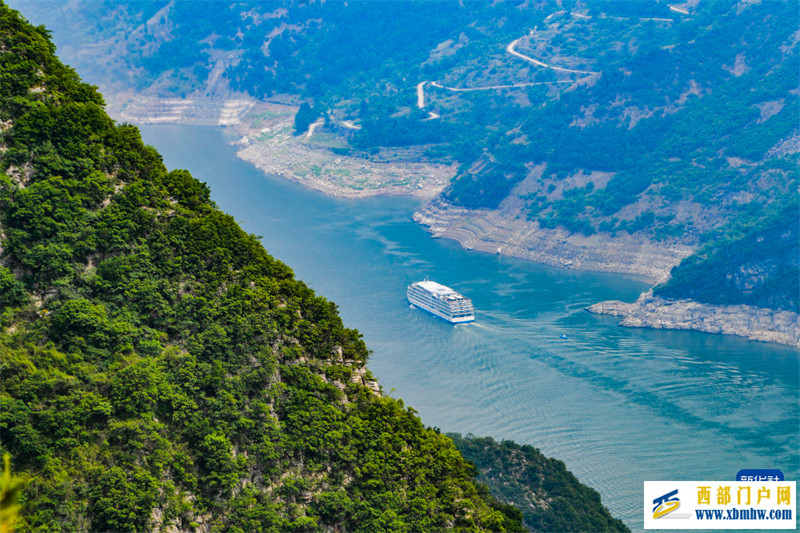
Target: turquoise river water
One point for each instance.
(619, 406)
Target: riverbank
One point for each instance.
(269, 143)
(508, 232)
(753, 323)
(267, 140)
(192, 111)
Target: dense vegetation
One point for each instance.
(760, 268)
(550, 497)
(687, 130)
(160, 369)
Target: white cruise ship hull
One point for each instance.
(441, 301)
(458, 320)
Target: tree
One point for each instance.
(305, 116)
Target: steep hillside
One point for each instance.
(672, 124)
(761, 268)
(159, 369)
(551, 499)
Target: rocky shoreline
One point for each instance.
(753, 323)
(507, 232)
(267, 141)
(341, 176)
(195, 111)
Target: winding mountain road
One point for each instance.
(421, 94)
(312, 127)
(494, 87)
(654, 19)
(510, 50)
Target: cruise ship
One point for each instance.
(442, 301)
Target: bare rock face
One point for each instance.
(754, 323)
(506, 231)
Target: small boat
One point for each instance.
(563, 336)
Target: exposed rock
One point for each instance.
(754, 323)
(362, 375)
(506, 233)
(790, 145)
(199, 111)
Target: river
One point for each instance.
(617, 405)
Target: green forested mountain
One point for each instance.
(159, 369)
(673, 122)
(550, 497)
(759, 268)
